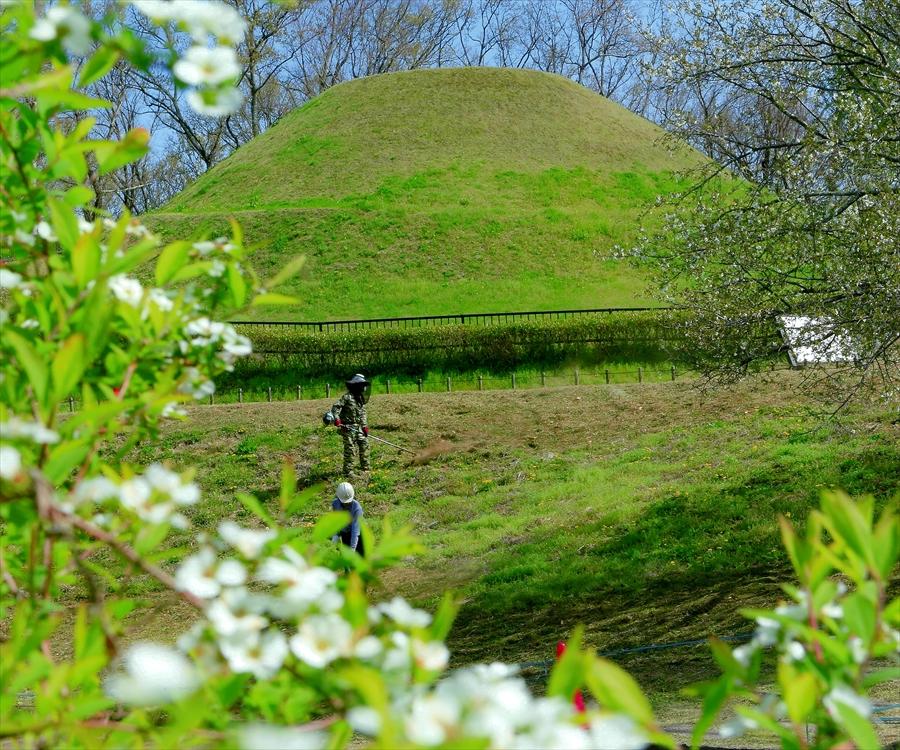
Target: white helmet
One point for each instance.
(344, 492)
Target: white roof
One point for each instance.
(814, 341)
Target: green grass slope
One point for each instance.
(440, 191)
(646, 512)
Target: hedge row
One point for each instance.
(593, 339)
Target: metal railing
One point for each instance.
(410, 321)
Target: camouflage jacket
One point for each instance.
(350, 411)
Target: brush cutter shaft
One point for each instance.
(355, 429)
(393, 445)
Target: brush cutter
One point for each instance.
(354, 429)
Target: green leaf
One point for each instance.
(33, 365)
(444, 617)
(68, 99)
(64, 458)
(64, 223)
(190, 271)
(569, 671)
(78, 195)
(85, 260)
(290, 269)
(288, 484)
(799, 690)
(618, 691)
(237, 285)
(725, 658)
(859, 615)
(150, 537)
(329, 525)
(100, 63)
(257, 509)
(859, 729)
(302, 499)
(171, 260)
(114, 154)
(879, 676)
(68, 366)
(848, 524)
(886, 543)
(271, 298)
(714, 697)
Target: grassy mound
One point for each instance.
(440, 191)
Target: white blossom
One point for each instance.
(197, 574)
(24, 238)
(841, 695)
(33, 431)
(169, 483)
(94, 490)
(858, 649)
(432, 655)
(736, 727)
(45, 231)
(270, 737)
(260, 654)
(215, 102)
(795, 651)
(617, 732)
(432, 719)
(364, 720)
(127, 290)
(10, 462)
(303, 586)
(65, 23)
(321, 639)
(9, 279)
(249, 542)
(368, 647)
(152, 675)
(402, 613)
(159, 298)
(204, 66)
(237, 613)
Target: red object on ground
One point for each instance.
(578, 698)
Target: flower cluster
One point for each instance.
(155, 497)
(211, 72)
(202, 333)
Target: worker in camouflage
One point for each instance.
(349, 415)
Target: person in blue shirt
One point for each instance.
(350, 534)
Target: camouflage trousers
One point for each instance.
(354, 444)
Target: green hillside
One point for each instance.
(439, 191)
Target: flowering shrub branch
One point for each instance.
(287, 650)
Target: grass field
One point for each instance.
(646, 512)
(441, 191)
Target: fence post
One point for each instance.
(240, 395)
(640, 374)
(299, 392)
(606, 373)
(270, 393)
(387, 384)
(71, 404)
(673, 373)
(577, 377)
(210, 399)
(448, 384)
(327, 390)
(419, 384)
(543, 379)
(480, 382)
